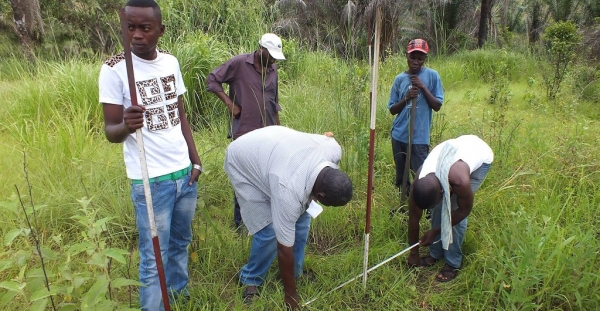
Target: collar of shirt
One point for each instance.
(250, 60)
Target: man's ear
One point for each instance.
(320, 196)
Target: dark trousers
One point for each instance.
(417, 157)
(237, 216)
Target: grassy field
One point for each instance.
(533, 237)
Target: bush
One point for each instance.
(561, 41)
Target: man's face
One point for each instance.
(415, 61)
(144, 30)
(266, 58)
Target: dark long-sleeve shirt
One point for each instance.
(254, 93)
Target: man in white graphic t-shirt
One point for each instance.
(172, 160)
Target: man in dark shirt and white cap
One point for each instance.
(253, 100)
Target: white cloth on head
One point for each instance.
(445, 161)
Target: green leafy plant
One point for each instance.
(54, 272)
(561, 42)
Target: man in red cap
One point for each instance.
(425, 85)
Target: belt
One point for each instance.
(171, 176)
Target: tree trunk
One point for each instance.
(536, 22)
(28, 24)
(483, 22)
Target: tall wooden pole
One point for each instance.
(373, 102)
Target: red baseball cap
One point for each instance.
(419, 45)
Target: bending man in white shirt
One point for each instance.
(276, 172)
(454, 169)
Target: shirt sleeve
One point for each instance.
(396, 93)
(277, 106)
(438, 89)
(334, 151)
(330, 150)
(181, 89)
(222, 74)
(110, 86)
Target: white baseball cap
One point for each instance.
(272, 43)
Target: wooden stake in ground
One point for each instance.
(411, 128)
(140, 143)
(373, 101)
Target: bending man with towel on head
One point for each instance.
(446, 183)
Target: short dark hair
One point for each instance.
(147, 4)
(425, 191)
(336, 187)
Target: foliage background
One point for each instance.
(533, 237)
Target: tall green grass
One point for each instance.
(533, 236)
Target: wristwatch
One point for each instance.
(198, 167)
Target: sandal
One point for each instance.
(250, 295)
(447, 274)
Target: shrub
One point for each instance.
(561, 41)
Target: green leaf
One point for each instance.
(68, 307)
(42, 294)
(6, 298)
(100, 225)
(120, 282)
(5, 264)
(78, 281)
(567, 241)
(48, 253)
(85, 202)
(20, 257)
(97, 260)
(12, 286)
(81, 247)
(116, 254)
(66, 274)
(8, 205)
(22, 272)
(102, 222)
(39, 305)
(95, 293)
(12, 235)
(35, 273)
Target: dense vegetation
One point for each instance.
(533, 237)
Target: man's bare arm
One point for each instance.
(118, 124)
(285, 256)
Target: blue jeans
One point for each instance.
(453, 256)
(264, 249)
(174, 204)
